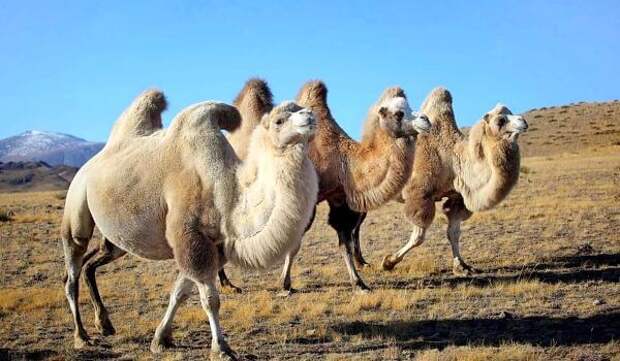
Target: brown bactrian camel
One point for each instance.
(353, 177)
(468, 173)
(181, 193)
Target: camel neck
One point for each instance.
(376, 169)
(278, 193)
(489, 169)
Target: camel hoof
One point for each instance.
(287, 293)
(105, 327)
(463, 269)
(364, 265)
(387, 263)
(223, 353)
(361, 288)
(81, 342)
(232, 288)
(159, 346)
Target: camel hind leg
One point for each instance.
(106, 253)
(74, 250)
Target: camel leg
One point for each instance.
(343, 220)
(199, 260)
(163, 335)
(210, 300)
(74, 250)
(285, 277)
(225, 282)
(415, 240)
(357, 249)
(108, 252)
(455, 210)
(420, 211)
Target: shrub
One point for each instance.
(6, 215)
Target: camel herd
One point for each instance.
(203, 197)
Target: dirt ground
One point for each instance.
(549, 287)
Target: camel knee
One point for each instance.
(420, 212)
(454, 208)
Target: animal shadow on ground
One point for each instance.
(6, 354)
(567, 269)
(540, 330)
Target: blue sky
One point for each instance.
(74, 66)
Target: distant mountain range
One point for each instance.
(49, 147)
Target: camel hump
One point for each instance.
(438, 107)
(142, 117)
(391, 93)
(207, 115)
(257, 92)
(312, 93)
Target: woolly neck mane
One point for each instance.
(278, 194)
(488, 171)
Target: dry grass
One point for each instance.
(548, 253)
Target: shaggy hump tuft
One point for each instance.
(312, 93)
(154, 100)
(259, 89)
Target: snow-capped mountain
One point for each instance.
(52, 148)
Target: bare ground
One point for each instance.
(550, 256)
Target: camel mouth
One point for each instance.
(517, 124)
(418, 123)
(304, 122)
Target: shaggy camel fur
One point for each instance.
(472, 173)
(182, 193)
(355, 177)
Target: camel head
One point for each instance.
(502, 124)
(289, 124)
(397, 119)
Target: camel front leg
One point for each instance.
(346, 248)
(343, 220)
(285, 277)
(225, 282)
(357, 248)
(455, 210)
(210, 300)
(163, 335)
(415, 240)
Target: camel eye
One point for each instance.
(399, 115)
(501, 121)
(280, 121)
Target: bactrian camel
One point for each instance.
(353, 177)
(468, 173)
(182, 193)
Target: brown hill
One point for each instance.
(34, 176)
(571, 128)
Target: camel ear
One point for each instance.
(383, 112)
(265, 121)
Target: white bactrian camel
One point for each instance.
(182, 193)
